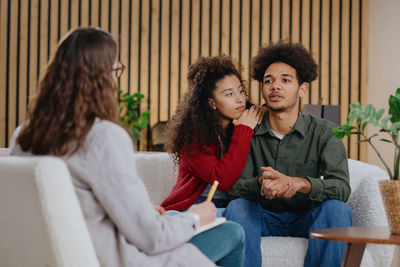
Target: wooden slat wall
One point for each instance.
(159, 39)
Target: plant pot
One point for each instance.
(390, 192)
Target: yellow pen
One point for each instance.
(212, 191)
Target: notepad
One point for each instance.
(216, 222)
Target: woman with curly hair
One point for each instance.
(209, 136)
(76, 119)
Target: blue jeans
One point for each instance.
(223, 244)
(258, 222)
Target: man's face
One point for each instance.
(281, 90)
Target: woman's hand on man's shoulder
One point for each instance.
(251, 117)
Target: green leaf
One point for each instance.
(129, 110)
(395, 127)
(355, 106)
(385, 121)
(341, 131)
(133, 104)
(363, 126)
(379, 114)
(128, 98)
(141, 123)
(138, 95)
(394, 108)
(135, 134)
(146, 113)
(371, 111)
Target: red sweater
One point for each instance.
(202, 168)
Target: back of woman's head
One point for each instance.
(195, 120)
(78, 86)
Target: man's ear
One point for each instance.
(212, 103)
(303, 89)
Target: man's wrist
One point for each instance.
(302, 185)
(260, 180)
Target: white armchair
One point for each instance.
(41, 220)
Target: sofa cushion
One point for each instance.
(275, 251)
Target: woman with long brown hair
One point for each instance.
(209, 136)
(75, 117)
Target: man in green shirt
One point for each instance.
(296, 178)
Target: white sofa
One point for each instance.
(159, 175)
(23, 222)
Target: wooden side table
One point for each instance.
(357, 238)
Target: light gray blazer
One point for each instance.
(124, 227)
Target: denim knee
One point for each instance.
(339, 210)
(242, 211)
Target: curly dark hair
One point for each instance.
(194, 120)
(293, 54)
(78, 86)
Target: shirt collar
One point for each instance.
(265, 127)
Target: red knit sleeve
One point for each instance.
(207, 165)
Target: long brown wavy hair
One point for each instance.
(194, 120)
(78, 86)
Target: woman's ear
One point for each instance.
(212, 103)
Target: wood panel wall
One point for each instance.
(159, 39)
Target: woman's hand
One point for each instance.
(206, 211)
(160, 209)
(250, 117)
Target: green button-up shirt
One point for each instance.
(309, 150)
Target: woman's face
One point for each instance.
(114, 68)
(228, 98)
(117, 70)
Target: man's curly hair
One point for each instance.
(195, 121)
(292, 54)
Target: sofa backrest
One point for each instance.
(41, 220)
(157, 172)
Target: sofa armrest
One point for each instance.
(365, 200)
(366, 204)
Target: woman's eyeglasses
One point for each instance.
(119, 70)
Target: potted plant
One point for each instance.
(130, 115)
(356, 123)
